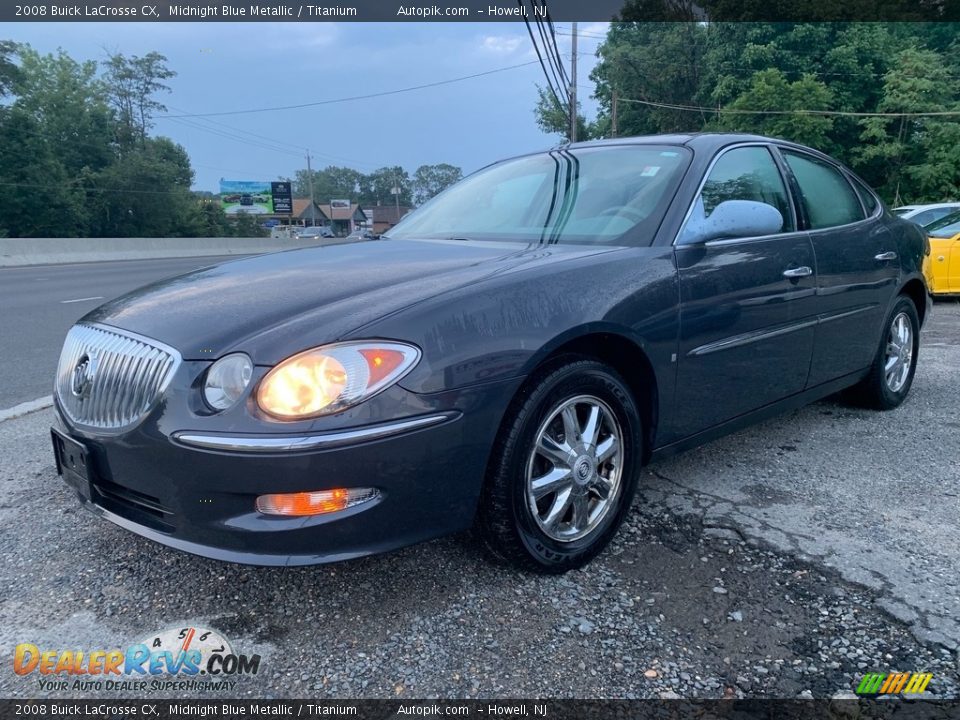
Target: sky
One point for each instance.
(224, 67)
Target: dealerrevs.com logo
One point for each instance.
(189, 658)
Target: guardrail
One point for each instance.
(16, 252)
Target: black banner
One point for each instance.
(282, 198)
(893, 707)
(482, 10)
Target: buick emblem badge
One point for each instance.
(83, 373)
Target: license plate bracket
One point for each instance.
(73, 463)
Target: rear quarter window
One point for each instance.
(828, 199)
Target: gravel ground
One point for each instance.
(683, 604)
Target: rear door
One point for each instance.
(747, 305)
(857, 264)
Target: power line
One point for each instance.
(230, 136)
(556, 49)
(844, 113)
(546, 74)
(554, 62)
(352, 98)
(100, 190)
(549, 44)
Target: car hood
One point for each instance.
(273, 305)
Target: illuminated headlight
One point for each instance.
(227, 380)
(331, 378)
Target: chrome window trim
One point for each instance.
(301, 443)
(769, 147)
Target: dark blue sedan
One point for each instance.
(508, 356)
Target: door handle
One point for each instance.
(889, 255)
(799, 272)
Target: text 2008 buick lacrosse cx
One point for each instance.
(510, 355)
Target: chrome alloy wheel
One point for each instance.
(899, 358)
(574, 471)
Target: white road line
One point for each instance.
(65, 302)
(26, 407)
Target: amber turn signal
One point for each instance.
(321, 502)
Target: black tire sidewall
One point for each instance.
(890, 399)
(581, 378)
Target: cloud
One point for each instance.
(501, 44)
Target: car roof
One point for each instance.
(707, 143)
(698, 141)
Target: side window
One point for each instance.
(868, 199)
(747, 173)
(827, 197)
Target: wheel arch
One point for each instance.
(916, 290)
(618, 348)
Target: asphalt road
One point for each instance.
(41, 302)
(786, 560)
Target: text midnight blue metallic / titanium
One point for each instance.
(474, 11)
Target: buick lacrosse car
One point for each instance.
(507, 357)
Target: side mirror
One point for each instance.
(732, 219)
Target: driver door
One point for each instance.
(747, 304)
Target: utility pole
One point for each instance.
(396, 195)
(573, 85)
(613, 116)
(313, 202)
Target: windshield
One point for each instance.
(945, 227)
(589, 195)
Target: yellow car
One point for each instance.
(943, 264)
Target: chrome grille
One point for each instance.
(109, 379)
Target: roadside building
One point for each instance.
(344, 219)
(303, 214)
(386, 216)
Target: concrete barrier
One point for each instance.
(54, 251)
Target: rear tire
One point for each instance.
(891, 374)
(564, 468)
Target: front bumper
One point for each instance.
(199, 497)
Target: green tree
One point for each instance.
(9, 72)
(132, 84)
(757, 76)
(247, 225)
(208, 219)
(769, 90)
(646, 66)
(64, 99)
(912, 153)
(147, 194)
(431, 180)
(376, 188)
(40, 199)
(554, 118)
(331, 183)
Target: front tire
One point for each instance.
(891, 374)
(564, 468)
